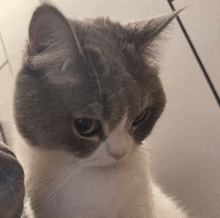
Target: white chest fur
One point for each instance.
(59, 186)
(95, 193)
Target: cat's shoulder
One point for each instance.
(164, 206)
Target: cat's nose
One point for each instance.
(118, 156)
(116, 153)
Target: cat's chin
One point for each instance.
(106, 164)
(100, 158)
(103, 163)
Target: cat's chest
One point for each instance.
(87, 193)
(60, 187)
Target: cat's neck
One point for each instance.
(59, 186)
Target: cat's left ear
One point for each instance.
(142, 33)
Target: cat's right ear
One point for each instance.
(53, 45)
(48, 28)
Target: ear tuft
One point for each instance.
(143, 33)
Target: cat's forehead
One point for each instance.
(104, 79)
(101, 35)
(117, 99)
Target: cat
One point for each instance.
(86, 97)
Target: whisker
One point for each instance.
(56, 181)
(51, 176)
(60, 185)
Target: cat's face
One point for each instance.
(90, 86)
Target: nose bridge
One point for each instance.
(117, 144)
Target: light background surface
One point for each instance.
(185, 145)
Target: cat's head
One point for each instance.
(89, 85)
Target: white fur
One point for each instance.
(62, 186)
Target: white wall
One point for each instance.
(186, 142)
(14, 19)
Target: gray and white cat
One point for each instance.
(86, 97)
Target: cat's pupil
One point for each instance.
(87, 127)
(141, 117)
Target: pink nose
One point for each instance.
(117, 156)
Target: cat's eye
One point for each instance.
(87, 127)
(141, 117)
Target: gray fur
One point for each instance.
(57, 84)
(95, 69)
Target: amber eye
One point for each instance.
(141, 117)
(87, 127)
